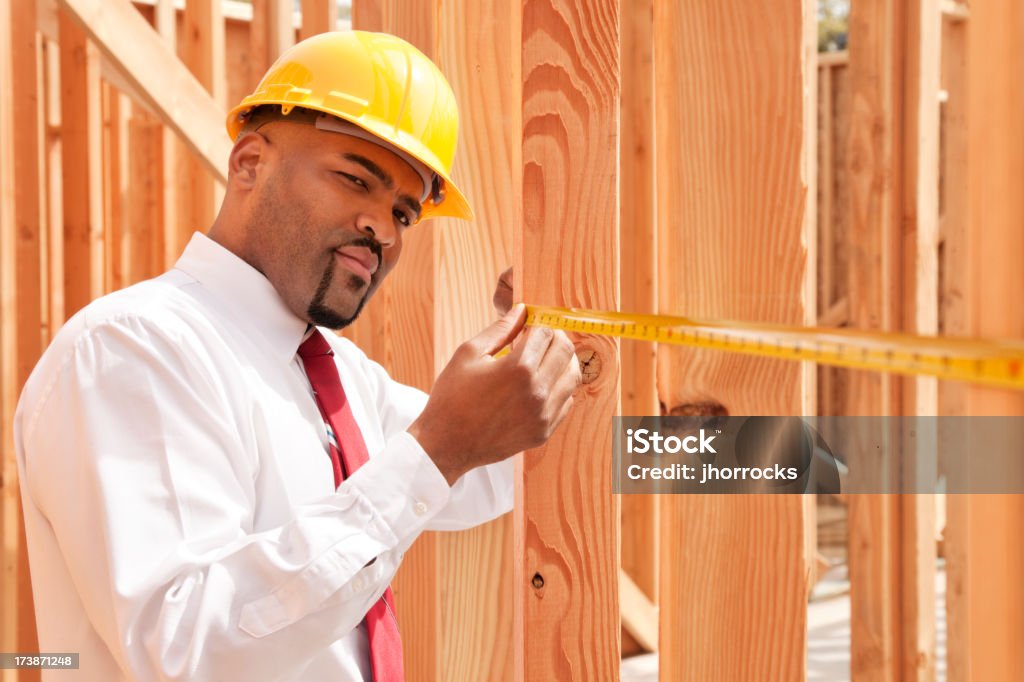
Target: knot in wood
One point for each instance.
(538, 581)
(590, 364)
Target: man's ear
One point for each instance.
(249, 152)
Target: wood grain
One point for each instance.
(167, 87)
(638, 274)
(566, 253)
(986, 623)
(479, 41)
(202, 51)
(81, 167)
(734, 102)
(396, 329)
(894, 70)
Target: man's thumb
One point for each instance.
(500, 333)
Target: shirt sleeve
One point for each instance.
(133, 456)
(482, 494)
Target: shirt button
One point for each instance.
(419, 509)
(358, 584)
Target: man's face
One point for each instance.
(328, 212)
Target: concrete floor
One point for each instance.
(828, 634)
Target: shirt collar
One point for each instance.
(245, 291)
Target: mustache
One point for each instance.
(369, 242)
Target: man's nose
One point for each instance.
(376, 222)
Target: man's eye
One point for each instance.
(352, 178)
(403, 218)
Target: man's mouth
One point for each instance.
(359, 260)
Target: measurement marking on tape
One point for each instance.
(989, 362)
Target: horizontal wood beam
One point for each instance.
(157, 77)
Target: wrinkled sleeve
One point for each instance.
(133, 454)
(481, 495)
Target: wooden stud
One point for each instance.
(52, 235)
(318, 16)
(81, 140)
(920, 224)
(202, 51)
(986, 623)
(271, 32)
(894, 70)
(10, 502)
(566, 253)
(639, 268)
(165, 85)
(478, 41)
(735, 101)
(875, 138)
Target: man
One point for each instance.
(216, 489)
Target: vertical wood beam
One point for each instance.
(82, 171)
(478, 41)
(986, 623)
(735, 103)
(918, 547)
(318, 16)
(271, 32)
(9, 503)
(396, 329)
(166, 228)
(893, 146)
(24, 323)
(202, 51)
(877, 49)
(566, 253)
(639, 513)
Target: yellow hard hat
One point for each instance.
(382, 84)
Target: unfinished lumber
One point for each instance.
(639, 270)
(920, 225)
(439, 297)
(397, 330)
(82, 166)
(166, 85)
(986, 623)
(271, 32)
(202, 51)
(734, 102)
(318, 16)
(567, 624)
(478, 41)
(893, 285)
(24, 314)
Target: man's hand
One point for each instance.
(503, 293)
(483, 409)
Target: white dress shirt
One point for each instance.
(180, 509)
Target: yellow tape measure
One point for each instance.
(994, 363)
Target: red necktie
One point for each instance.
(381, 624)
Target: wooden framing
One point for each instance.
(736, 237)
(478, 41)
(81, 166)
(159, 78)
(566, 253)
(639, 513)
(101, 130)
(272, 32)
(986, 623)
(893, 285)
(318, 16)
